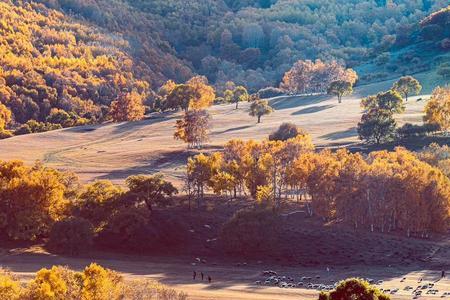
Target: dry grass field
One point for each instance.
(231, 282)
(115, 151)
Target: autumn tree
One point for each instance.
(151, 190)
(354, 288)
(71, 236)
(195, 94)
(377, 126)
(437, 109)
(407, 85)
(5, 116)
(128, 107)
(259, 108)
(31, 200)
(97, 201)
(193, 128)
(200, 171)
(315, 77)
(340, 88)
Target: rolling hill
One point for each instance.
(115, 151)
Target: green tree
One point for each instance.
(240, 94)
(390, 101)
(97, 201)
(407, 85)
(377, 126)
(259, 108)
(71, 236)
(340, 88)
(152, 190)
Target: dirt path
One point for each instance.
(229, 280)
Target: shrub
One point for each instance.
(409, 129)
(50, 284)
(100, 283)
(33, 126)
(71, 236)
(10, 288)
(354, 288)
(4, 134)
(284, 132)
(94, 283)
(251, 232)
(270, 92)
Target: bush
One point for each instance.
(409, 130)
(55, 283)
(71, 236)
(10, 288)
(354, 288)
(94, 283)
(270, 92)
(4, 134)
(33, 126)
(251, 232)
(285, 132)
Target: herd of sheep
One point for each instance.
(273, 279)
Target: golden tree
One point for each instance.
(310, 77)
(193, 128)
(5, 116)
(196, 94)
(31, 200)
(128, 107)
(437, 110)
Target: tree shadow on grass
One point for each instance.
(233, 129)
(312, 109)
(351, 132)
(288, 102)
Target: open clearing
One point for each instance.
(115, 151)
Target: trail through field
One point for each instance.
(115, 151)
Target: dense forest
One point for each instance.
(255, 42)
(63, 62)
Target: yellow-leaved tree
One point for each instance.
(32, 199)
(437, 110)
(128, 107)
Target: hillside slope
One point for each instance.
(115, 151)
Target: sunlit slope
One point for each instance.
(115, 151)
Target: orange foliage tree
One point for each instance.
(437, 110)
(315, 77)
(128, 107)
